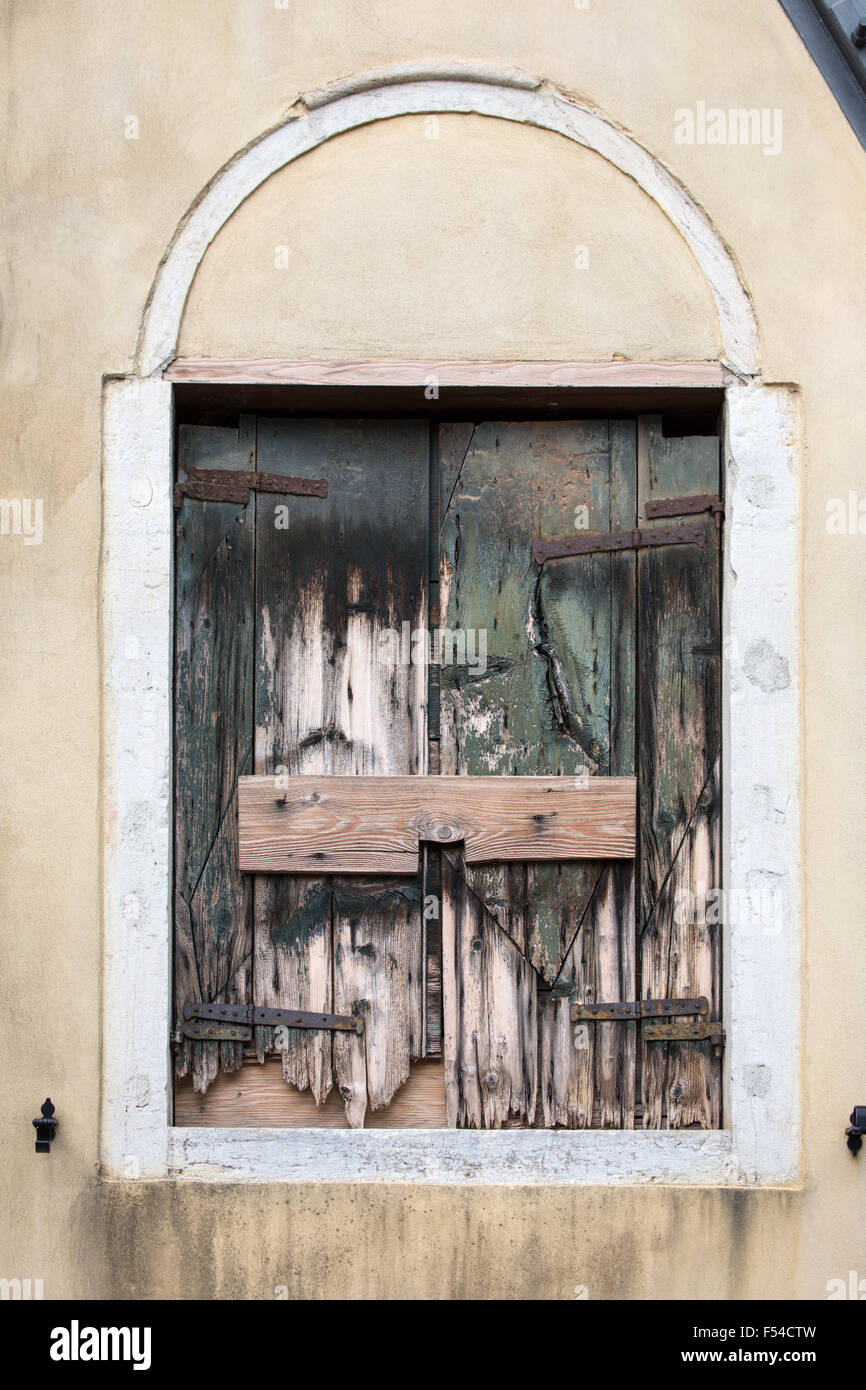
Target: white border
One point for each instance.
(762, 718)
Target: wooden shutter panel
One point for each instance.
(595, 662)
(320, 580)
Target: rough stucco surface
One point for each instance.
(87, 215)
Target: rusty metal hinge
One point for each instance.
(684, 1032)
(617, 540)
(702, 1030)
(639, 1008)
(705, 1031)
(235, 485)
(235, 1022)
(217, 1032)
(687, 506)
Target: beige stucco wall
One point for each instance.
(87, 215)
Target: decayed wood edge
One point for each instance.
(320, 372)
(411, 808)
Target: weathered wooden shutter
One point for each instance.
(598, 665)
(604, 664)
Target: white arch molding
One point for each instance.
(761, 773)
(417, 89)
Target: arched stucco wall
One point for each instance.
(422, 89)
(451, 236)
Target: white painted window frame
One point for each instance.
(761, 769)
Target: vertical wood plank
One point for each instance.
(213, 734)
(679, 596)
(341, 588)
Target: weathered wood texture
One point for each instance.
(374, 825)
(679, 596)
(258, 1097)
(335, 579)
(213, 737)
(543, 706)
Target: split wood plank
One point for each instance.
(213, 735)
(679, 596)
(333, 575)
(303, 824)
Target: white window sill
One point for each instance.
(501, 1157)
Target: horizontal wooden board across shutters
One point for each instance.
(335, 579)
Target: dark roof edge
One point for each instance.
(822, 46)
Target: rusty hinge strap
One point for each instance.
(685, 1032)
(616, 540)
(235, 484)
(217, 1032)
(639, 1008)
(686, 506)
(255, 1015)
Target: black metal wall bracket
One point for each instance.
(46, 1127)
(856, 1129)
